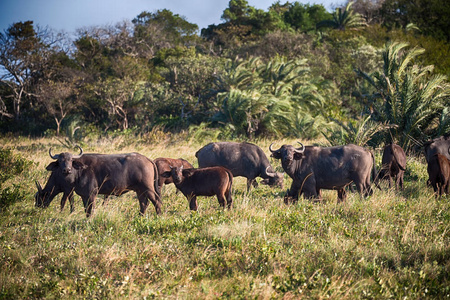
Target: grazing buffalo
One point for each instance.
(203, 182)
(91, 174)
(242, 159)
(438, 145)
(393, 165)
(439, 173)
(314, 168)
(165, 164)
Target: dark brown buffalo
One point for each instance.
(439, 145)
(393, 165)
(439, 174)
(242, 159)
(314, 168)
(91, 174)
(164, 165)
(203, 182)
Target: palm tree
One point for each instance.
(344, 19)
(407, 95)
(274, 97)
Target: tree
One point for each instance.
(256, 97)
(23, 58)
(304, 17)
(57, 97)
(406, 95)
(162, 29)
(343, 19)
(432, 17)
(368, 9)
(119, 97)
(243, 22)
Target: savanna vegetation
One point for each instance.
(394, 244)
(369, 72)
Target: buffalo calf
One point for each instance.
(203, 182)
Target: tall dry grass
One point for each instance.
(394, 244)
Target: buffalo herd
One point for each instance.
(311, 169)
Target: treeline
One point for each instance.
(368, 72)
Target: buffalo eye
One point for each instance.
(166, 174)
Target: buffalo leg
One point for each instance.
(221, 199)
(88, 203)
(342, 195)
(193, 203)
(250, 183)
(229, 199)
(70, 196)
(292, 193)
(72, 203)
(63, 200)
(399, 181)
(143, 202)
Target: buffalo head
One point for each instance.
(40, 198)
(65, 162)
(177, 173)
(287, 153)
(273, 178)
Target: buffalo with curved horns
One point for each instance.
(107, 174)
(314, 168)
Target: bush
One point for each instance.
(11, 165)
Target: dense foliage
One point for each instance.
(287, 71)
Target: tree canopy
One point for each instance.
(288, 70)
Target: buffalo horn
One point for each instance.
(79, 155)
(300, 150)
(38, 185)
(270, 148)
(53, 156)
(270, 174)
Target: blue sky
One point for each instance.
(69, 15)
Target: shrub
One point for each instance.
(11, 165)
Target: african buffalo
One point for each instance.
(164, 164)
(393, 164)
(437, 145)
(439, 173)
(203, 182)
(242, 159)
(314, 168)
(91, 174)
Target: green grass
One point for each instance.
(391, 245)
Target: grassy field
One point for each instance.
(391, 245)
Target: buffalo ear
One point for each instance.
(78, 165)
(166, 174)
(298, 156)
(188, 172)
(52, 166)
(276, 155)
